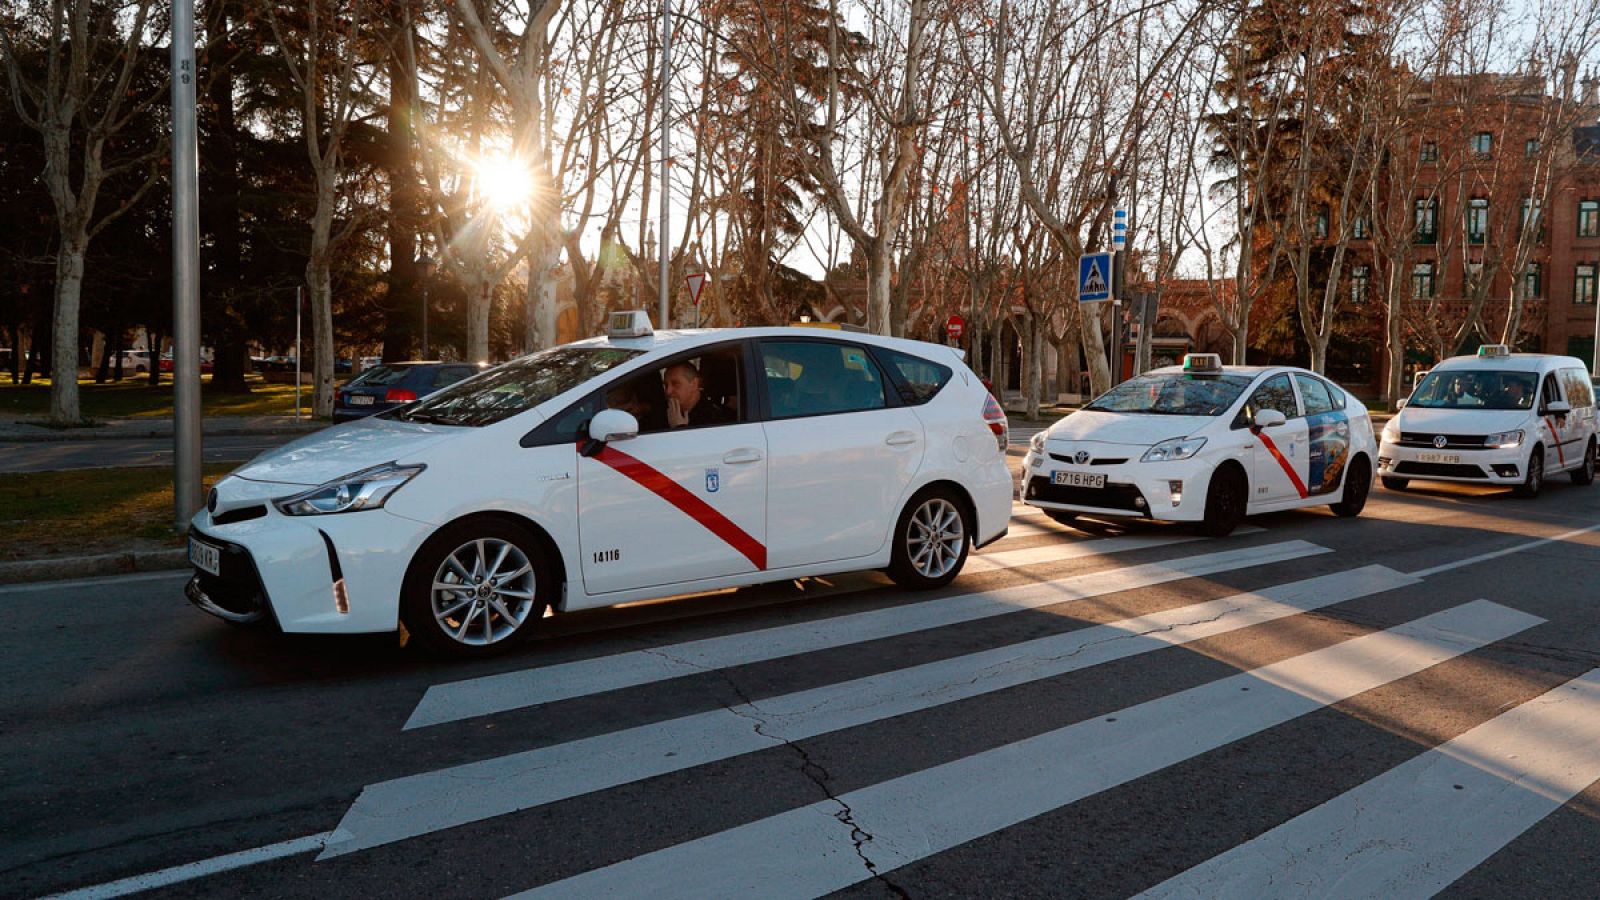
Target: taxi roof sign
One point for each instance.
(1202, 362)
(1494, 351)
(630, 324)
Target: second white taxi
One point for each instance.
(631, 466)
(1206, 443)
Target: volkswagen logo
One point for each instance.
(1081, 457)
(1440, 440)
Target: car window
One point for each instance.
(1274, 393)
(1579, 392)
(1551, 392)
(1475, 389)
(818, 378)
(378, 376)
(916, 379)
(695, 391)
(1314, 394)
(1173, 394)
(516, 386)
(450, 375)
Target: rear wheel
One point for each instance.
(1225, 502)
(475, 588)
(1395, 484)
(930, 540)
(1357, 485)
(1534, 481)
(1584, 474)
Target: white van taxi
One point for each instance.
(1494, 418)
(1206, 443)
(632, 466)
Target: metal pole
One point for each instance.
(425, 317)
(298, 300)
(666, 153)
(186, 434)
(1594, 352)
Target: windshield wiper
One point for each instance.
(427, 418)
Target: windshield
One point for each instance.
(1475, 389)
(519, 385)
(1173, 394)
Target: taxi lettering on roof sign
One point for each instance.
(609, 471)
(1206, 443)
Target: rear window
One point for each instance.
(378, 376)
(515, 387)
(916, 379)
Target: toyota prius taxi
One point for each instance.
(1206, 443)
(631, 466)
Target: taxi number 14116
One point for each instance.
(1078, 479)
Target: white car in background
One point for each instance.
(1206, 443)
(557, 480)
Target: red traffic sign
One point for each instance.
(955, 327)
(696, 282)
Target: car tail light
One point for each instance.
(995, 417)
(399, 395)
(338, 398)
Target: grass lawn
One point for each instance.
(136, 398)
(88, 511)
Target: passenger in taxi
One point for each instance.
(686, 403)
(1461, 393)
(1514, 394)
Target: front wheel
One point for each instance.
(1533, 482)
(930, 541)
(1584, 474)
(1225, 502)
(475, 588)
(1357, 485)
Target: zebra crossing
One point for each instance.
(1409, 831)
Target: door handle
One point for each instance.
(901, 439)
(742, 456)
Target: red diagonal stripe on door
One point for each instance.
(1555, 438)
(1288, 467)
(652, 480)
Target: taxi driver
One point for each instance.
(685, 403)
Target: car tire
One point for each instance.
(1226, 498)
(931, 540)
(1395, 484)
(1533, 482)
(1584, 474)
(506, 586)
(1065, 518)
(1357, 486)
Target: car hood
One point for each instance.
(1462, 421)
(1125, 428)
(327, 454)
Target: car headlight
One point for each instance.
(366, 489)
(1037, 441)
(1391, 431)
(1173, 449)
(1503, 439)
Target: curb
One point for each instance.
(101, 564)
(86, 434)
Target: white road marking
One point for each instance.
(433, 801)
(528, 687)
(191, 871)
(828, 846)
(1496, 554)
(1415, 829)
(1049, 553)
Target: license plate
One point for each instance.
(1439, 457)
(1078, 479)
(360, 400)
(205, 557)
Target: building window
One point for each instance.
(1358, 228)
(1589, 218)
(1477, 220)
(1532, 282)
(1319, 223)
(1427, 220)
(1474, 274)
(1532, 147)
(1422, 280)
(1483, 143)
(1531, 210)
(1430, 152)
(1360, 278)
(1584, 285)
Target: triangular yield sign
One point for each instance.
(696, 282)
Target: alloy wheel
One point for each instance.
(483, 592)
(934, 538)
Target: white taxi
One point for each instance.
(1206, 443)
(632, 466)
(1494, 418)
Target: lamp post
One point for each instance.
(425, 266)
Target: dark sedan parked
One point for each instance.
(389, 385)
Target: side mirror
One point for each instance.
(1399, 405)
(1267, 418)
(613, 425)
(1558, 407)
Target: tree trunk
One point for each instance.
(402, 314)
(480, 300)
(880, 315)
(1094, 350)
(1033, 377)
(64, 409)
(541, 299)
(319, 279)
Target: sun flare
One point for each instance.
(505, 182)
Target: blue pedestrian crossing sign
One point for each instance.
(1094, 277)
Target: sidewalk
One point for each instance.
(31, 430)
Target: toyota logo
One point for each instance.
(1439, 441)
(1081, 457)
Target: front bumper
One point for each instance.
(1471, 466)
(1133, 489)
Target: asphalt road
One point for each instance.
(100, 454)
(1393, 706)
